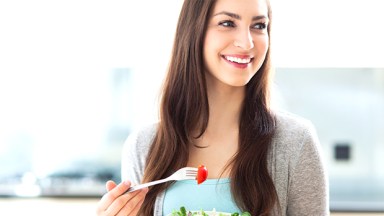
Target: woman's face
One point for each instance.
(236, 41)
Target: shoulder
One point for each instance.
(294, 136)
(135, 151)
(141, 138)
(292, 124)
(297, 166)
(293, 129)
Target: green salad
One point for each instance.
(184, 212)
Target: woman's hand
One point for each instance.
(117, 202)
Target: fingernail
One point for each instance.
(127, 182)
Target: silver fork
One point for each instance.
(181, 174)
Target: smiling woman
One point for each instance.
(240, 40)
(215, 110)
(60, 89)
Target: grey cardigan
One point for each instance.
(295, 164)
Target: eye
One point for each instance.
(227, 23)
(260, 26)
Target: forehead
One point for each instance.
(242, 7)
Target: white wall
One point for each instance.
(328, 33)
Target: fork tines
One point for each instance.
(191, 173)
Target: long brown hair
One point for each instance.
(184, 107)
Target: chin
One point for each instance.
(241, 81)
(238, 83)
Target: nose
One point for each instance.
(244, 40)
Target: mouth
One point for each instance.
(241, 61)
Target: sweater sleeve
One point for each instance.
(134, 154)
(308, 184)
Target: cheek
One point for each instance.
(206, 47)
(262, 44)
(261, 48)
(261, 51)
(211, 54)
(214, 44)
(266, 44)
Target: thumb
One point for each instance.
(110, 185)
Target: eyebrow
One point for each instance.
(236, 16)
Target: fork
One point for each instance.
(181, 174)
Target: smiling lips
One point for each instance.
(239, 61)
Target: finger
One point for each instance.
(118, 204)
(134, 204)
(113, 194)
(110, 185)
(135, 211)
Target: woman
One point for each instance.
(215, 111)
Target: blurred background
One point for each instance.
(76, 77)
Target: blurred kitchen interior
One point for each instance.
(77, 77)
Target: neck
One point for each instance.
(219, 143)
(224, 108)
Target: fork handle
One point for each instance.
(140, 186)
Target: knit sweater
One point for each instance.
(295, 164)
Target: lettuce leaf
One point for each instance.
(184, 212)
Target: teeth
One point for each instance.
(238, 60)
